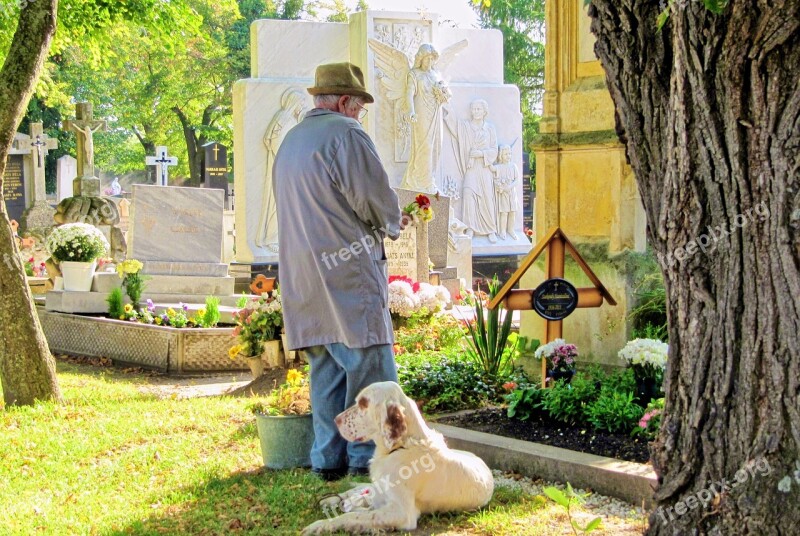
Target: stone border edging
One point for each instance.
(628, 481)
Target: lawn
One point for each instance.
(115, 459)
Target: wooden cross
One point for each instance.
(162, 161)
(555, 306)
(85, 126)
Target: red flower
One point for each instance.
(423, 201)
(30, 260)
(509, 386)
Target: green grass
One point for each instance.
(114, 460)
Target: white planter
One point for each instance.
(78, 275)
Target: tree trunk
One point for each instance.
(149, 150)
(194, 143)
(710, 107)
(27, 370)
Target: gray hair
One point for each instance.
(329, 101)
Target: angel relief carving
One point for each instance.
(418, 92)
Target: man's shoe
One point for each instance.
(329, 475)
(358, 471)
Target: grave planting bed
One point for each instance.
(171, 350)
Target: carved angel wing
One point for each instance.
(393, 68)
(448, 55)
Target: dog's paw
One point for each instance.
(317, 527)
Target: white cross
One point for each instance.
(163, 162)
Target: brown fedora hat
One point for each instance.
(340, 79)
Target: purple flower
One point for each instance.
(150, 305)
(184, 306)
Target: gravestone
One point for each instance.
(470, 68)
(177, 231)
(66, 172)
(215, 168)
(14, 186)
(408, 254)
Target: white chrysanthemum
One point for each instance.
(548, 349)
(433, 298)
(402, 300)
(77, 240)
(645, 352)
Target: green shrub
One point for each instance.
(116, 309)
(614, 412)
(447, 383)
(619, 381)
(525, 403)
(489, 335)
(567, 402)
(436, 333)
(649, 316)
(651, 420)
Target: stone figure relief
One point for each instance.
(475, 147)
(506, 178)
(294, 104)
(456, 229)
(418, 93)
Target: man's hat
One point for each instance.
(340, 79)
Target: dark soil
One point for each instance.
(555, 434)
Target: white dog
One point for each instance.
(413, 472)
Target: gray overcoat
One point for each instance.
(335, 206)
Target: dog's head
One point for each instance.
(378, 415)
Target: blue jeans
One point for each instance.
(338, 373)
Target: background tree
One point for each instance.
(710, 108)
(522, 25)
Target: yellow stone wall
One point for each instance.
(583, 183)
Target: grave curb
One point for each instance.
(628, 481)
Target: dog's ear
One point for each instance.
(393, 424)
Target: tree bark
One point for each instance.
(195, 142)
(710, 107)
(27, 370)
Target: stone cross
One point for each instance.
(40, 144)
(162, 161)
(84, 127)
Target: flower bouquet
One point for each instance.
(76, 242)
(408, 298)
(647, 357)
(420, 208)
(560, 359)
(132, 280)
(258, 321)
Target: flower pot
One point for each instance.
(256, 365)
(78, 276)
(288, 355)
(285, 440)
(565, 375)
(646, 390)
(272, 355)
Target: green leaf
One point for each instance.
(663, 17)
(715, 6)
(593, 524)
(556, 496)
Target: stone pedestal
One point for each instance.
(86, 186)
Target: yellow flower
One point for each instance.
(170, 312)
(201, 312)
(122, 317)
(233, 351)
(294, 376)
(128, 307)
(157, 320)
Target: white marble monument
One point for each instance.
(66, 172)
(441, 110)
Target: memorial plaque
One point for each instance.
(14, 187)
(555, 299)
(215, 169)
(401, 254)
(170, 223)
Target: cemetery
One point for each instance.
(575, 300)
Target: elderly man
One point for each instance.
(335, 206)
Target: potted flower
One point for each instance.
(76, 247)
(647, 358)
(258, 325)
(560, 358)
(284, 423)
